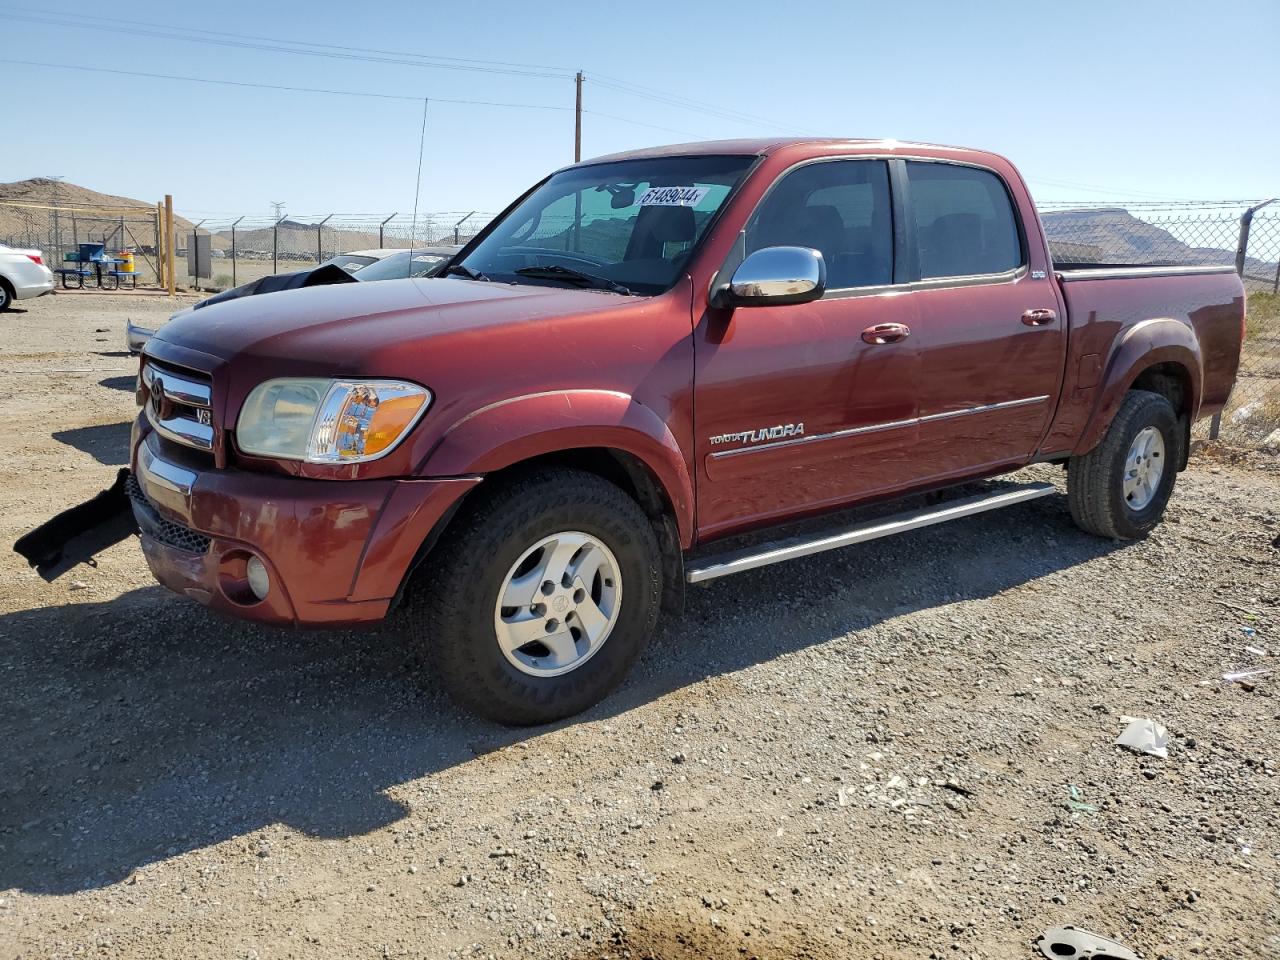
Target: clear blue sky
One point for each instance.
(1125, 99)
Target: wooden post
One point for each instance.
(171, 278)
(577, 117)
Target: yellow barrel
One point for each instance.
(126, 264)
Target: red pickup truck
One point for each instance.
(644, 358)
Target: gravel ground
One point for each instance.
(866, 754)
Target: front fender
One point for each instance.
(1140, 347)
(521, 428)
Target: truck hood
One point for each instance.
(340, 327)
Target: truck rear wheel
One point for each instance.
(538, 601)
(1120, 488)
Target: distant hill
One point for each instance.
(81, 210)
(1114, 235)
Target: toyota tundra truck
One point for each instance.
(641, 375)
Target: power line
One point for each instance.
(108, 21)
(276, 86)
(274, 46)
(397, 57)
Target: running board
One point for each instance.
(736, 561)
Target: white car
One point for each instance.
(23, 275)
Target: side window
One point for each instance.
(964, 221)
(840, 207)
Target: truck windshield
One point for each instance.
(630, 224)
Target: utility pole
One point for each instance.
(577, 117)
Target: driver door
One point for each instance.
(809, 406)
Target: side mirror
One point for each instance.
(775, 276)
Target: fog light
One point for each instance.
(259, 582)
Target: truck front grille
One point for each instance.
(179, 404)
(158, 528)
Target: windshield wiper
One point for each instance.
(553, 271)
(457, 268)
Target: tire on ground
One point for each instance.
(455, 597)
(1095, 481)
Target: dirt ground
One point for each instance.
(863, 754)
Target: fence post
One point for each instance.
(275, 247)
(457, 226)
(171, 276)
(381, 226)
(319, 241)
(1242, 254)
(233, 252)
(159, 238)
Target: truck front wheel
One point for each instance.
(540, 598)
(1120, 488)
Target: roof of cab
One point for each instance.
(760, 146)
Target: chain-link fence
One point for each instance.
(1226, 233)
(57, 230)
(246, 248)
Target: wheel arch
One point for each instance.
(600, 432)
(579, 426)
(1161, 355)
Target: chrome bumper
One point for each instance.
(135, 337)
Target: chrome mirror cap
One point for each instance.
(775, 276)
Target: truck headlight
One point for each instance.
(329, 421)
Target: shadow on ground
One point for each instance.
(107, 443)
(144, 727)
(127, 384)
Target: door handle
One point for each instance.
(1039, 317)
(886, 333)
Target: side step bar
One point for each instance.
(736, 561)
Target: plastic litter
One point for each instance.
(1144, 736)
(1069, 943)
(1256, 651)
(1238, 675)
(1248, 631)
(1076, 804)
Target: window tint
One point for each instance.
(964, 222)
(840, 207)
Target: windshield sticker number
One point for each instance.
(673, 196)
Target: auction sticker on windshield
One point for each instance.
(673, 196)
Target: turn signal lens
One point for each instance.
(361, 421)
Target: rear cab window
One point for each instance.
(963, 221)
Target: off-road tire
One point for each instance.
(1095, 481)
(456, 590)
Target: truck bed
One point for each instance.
(1106, 303)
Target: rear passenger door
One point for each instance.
(990, 331)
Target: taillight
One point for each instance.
(36, 258)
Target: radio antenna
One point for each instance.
(417, 188)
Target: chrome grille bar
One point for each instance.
(179, 406)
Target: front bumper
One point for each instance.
(336, 552)
(136, 337)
